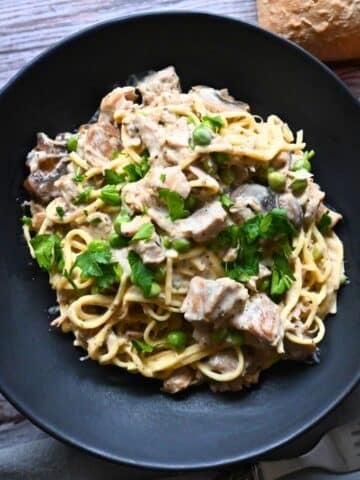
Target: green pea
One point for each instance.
(119, 220)
(343, 279)
(202, 135)
(236, 338)
(160, 274)
(302, 164)
(227, 176)
(181, 244)
(177, 339)
(220, 158)
(277, 181)
(117, 241)
(299, 185)
(72, 143)
(155, 290)
(167, 242)
(219, 334)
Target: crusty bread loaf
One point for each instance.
(330, 29)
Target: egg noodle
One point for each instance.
(123, 326)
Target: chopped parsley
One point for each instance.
(78, 176)
(72, 143)
(141, 275)
(145, 232)
(113, 178)
(83, 197)
(110, 195)
(163, 177)
(324, 223)
(135, 171)
(48, 253)
(174, 203)
(60, 212)
(226, 201)
(26, 221)
(96, 262)
(142, 347)
(215, 123)
(249, 239)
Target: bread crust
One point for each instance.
(330, 29)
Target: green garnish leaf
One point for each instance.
(83, 197)
(145, 232)
(78, 176)
(96, 262)
(72, 143)
(69, 278)
(282, 276)
(48, 253)
(135, 171)
(163, 177)
(110, 195)
(113, 178)
(174, 203)
(226, 201)
(26, 221)
(324, 223)
(142, 347)
(141, 275)
(60, 212)
(215, 123)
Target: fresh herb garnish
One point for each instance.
(60, 212)
(83, 197)
(113, 178)
(72, 143)
(163, 177)
(141, 275)
(26, 221)
(249, 239)
(174, 203)
(226, 201)
(78, 176)
(215, 123)
(142, 347)
(48, 253)
(110, 195)
(69, 278)
(145, 232)
(135, 171)
(324, 223)
(96, 262)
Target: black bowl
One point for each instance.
(104, 410)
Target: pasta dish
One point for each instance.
(185, 237)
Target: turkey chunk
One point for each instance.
(116, 104)
(98, 142)
(157, 88)
(213, 300)
(205, 223)
(180, 379)
(169, 177)
(260, 318)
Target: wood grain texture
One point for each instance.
(28, 27)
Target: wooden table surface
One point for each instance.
(28, 27)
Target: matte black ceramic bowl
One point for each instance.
(102, 409)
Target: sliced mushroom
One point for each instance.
(250, 199)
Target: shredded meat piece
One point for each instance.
(202, 333)
(180, 379)
(223, 362)
(213, 300)
(98, 142)
(335, 217)
(217, 100)
(158, 88)
(66, 187)
(172, 178)
(314, 197)
(161, 217)
(244, 381)
(130, 228)
(100, 225)
(151, 251)
(116, 103)
(205, 223)
(260, 318)
(293, 208)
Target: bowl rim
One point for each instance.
(20, 404)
